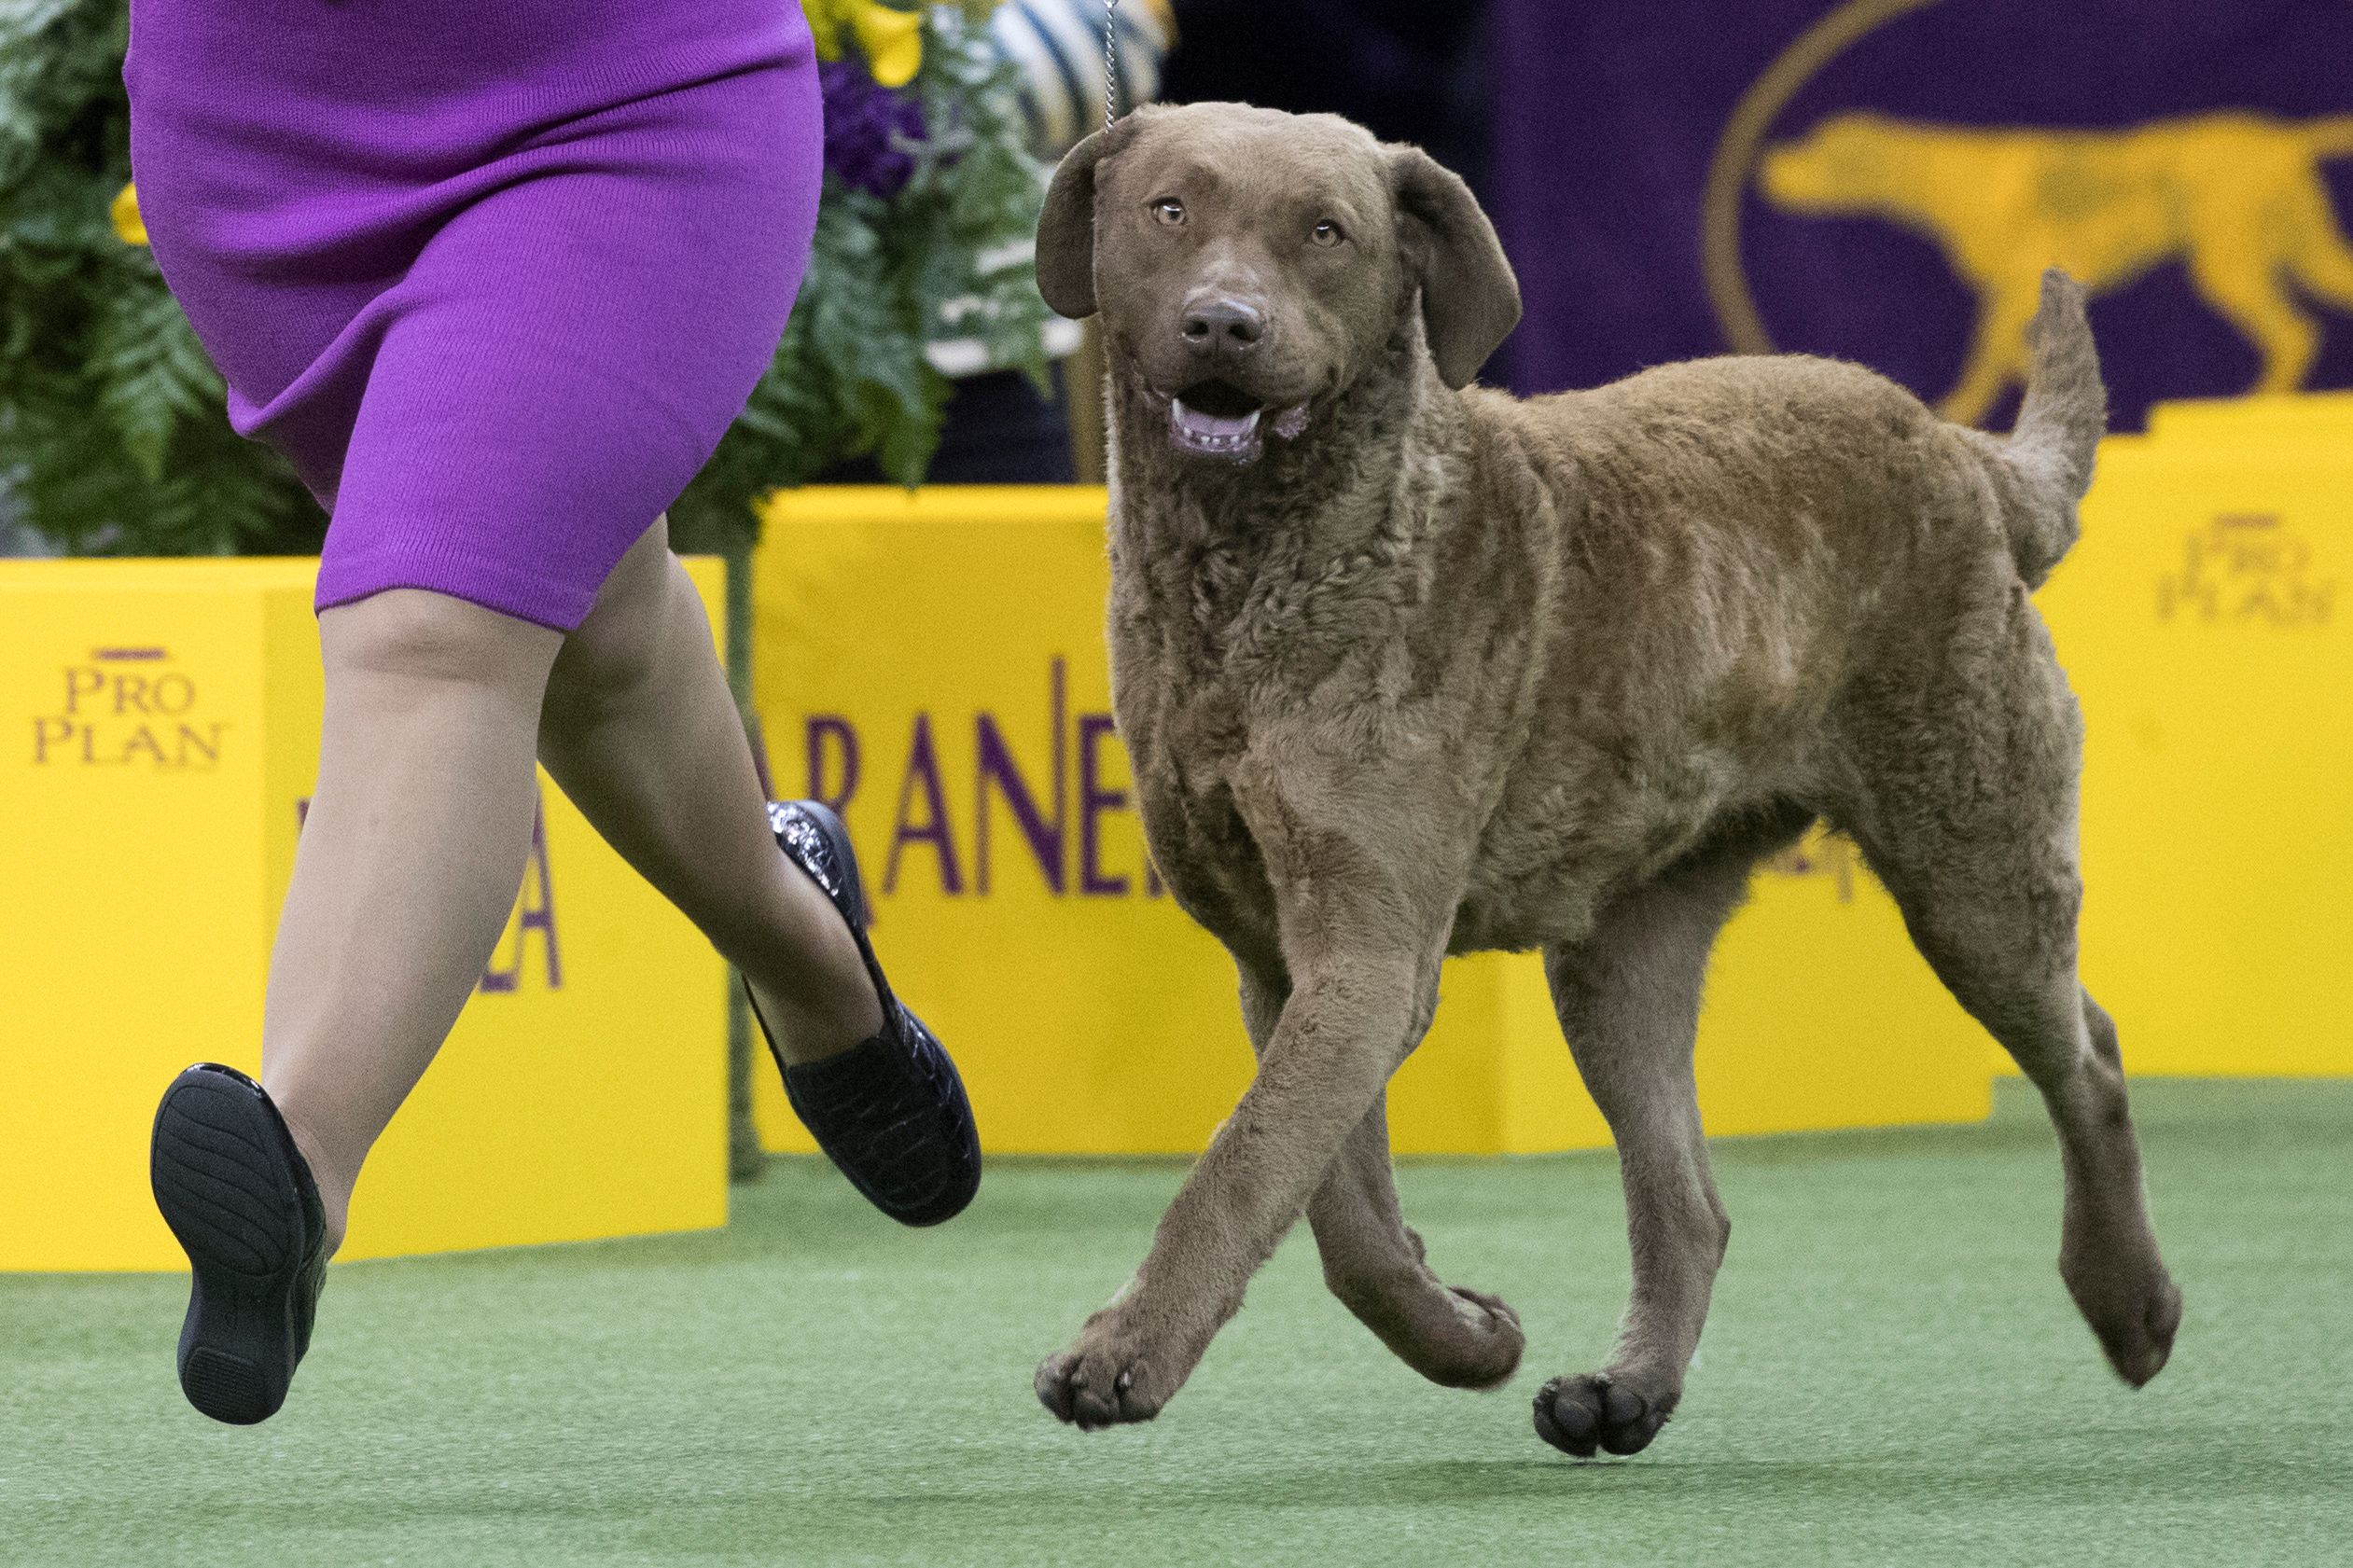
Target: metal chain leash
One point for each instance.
(1111, 62)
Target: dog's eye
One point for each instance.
(1327, 233)
(1168, 210)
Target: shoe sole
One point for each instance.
(224, 1186)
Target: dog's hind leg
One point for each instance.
(1629, 1001)
(1968, 818)
(1373, 1261)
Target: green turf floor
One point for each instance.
(1892, 1374)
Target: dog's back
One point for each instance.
(1740, 542)
(1806, 459)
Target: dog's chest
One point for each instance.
(1184, 742)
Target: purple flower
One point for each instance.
(864, 124)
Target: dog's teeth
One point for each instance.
(1214, 430)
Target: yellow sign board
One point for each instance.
(2207, 623)
(164, 719)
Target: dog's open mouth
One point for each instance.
(1218, 419)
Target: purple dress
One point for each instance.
(495, 276)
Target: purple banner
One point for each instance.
(1884, 180)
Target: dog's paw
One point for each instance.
(2136, 1317)
(1480, 1348)
(1093, 1386)
(1592, 1410)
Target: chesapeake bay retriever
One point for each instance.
(1411, 668)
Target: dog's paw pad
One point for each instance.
(1091, 1390)
(1591, 1412)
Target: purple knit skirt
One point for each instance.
(495, 276)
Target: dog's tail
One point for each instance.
(2059, 427)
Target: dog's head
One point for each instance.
(1249, 263)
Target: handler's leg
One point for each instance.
(408, 865)
(640, 730)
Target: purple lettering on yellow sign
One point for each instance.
(535, 910)
(923, 768)
(994, 764)
(833, 729)
(80, 684)
(1039, 804)
(106, 720)
(1093, 801)
(48, 733)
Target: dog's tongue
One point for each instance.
(1211, 430)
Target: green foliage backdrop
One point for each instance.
(112, 433)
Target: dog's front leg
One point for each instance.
(1341, 1034)
(1373, 1261)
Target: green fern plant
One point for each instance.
(112, 433)
(946, 256)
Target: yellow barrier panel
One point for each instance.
(2319, 416)
(166, 720)
(933, 663)
(2204, 621)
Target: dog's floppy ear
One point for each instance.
(1470, 301)
(1066, 231)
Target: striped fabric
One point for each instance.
(1058, 45)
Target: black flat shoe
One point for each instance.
(238, 1196)
(890, 1112)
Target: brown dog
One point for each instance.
(1408, 670)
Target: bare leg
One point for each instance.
(1629, 1004)
(1373, 1261)
(641, 731)
(414, 844)
(408, 866)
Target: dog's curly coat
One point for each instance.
(1435, 669)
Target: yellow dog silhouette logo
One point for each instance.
(2237, 197)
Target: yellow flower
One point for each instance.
(125, 211)
(891, 39)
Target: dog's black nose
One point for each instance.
(1221, 324)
